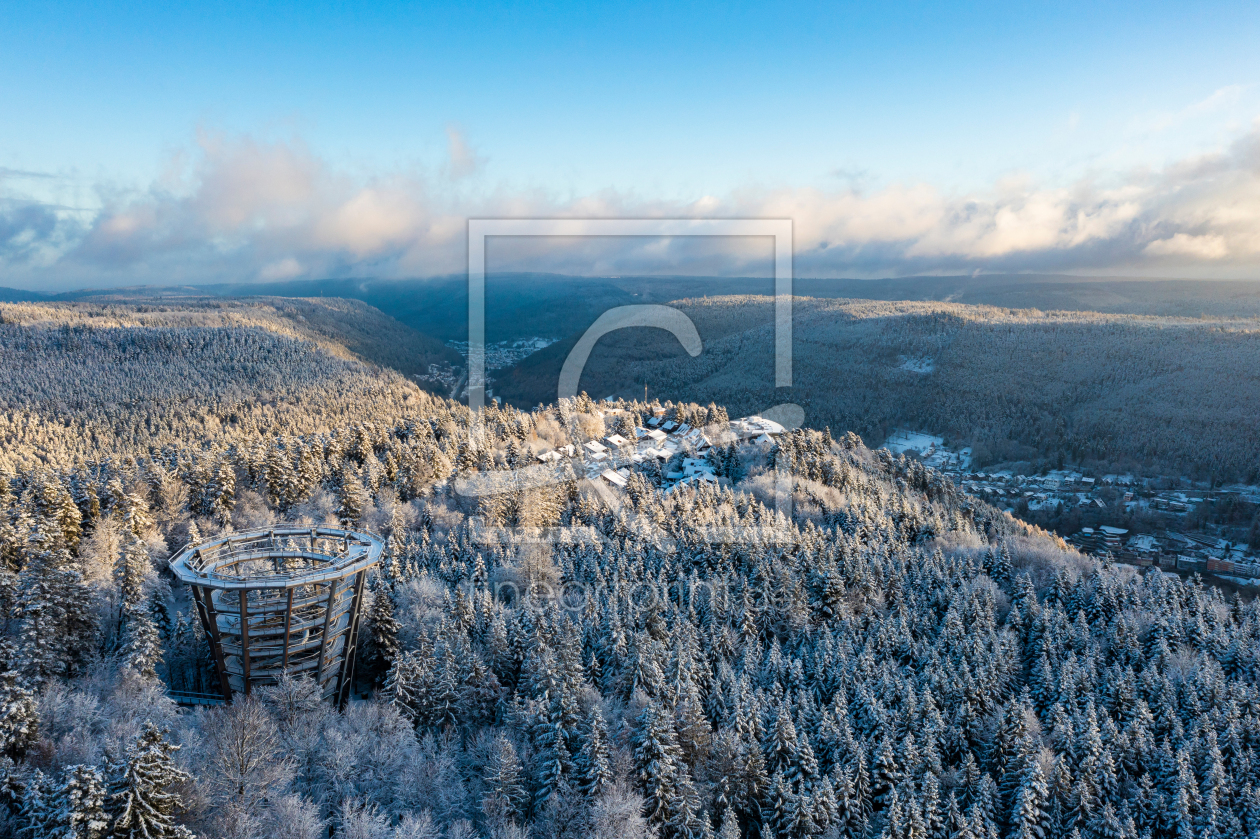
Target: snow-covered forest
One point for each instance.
(892, 659)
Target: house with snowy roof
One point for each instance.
(754, 427)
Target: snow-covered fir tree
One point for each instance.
(144, 797)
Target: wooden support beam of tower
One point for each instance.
(352, 642)
(245, 637)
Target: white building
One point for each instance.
(754, 426)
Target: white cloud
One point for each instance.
(464, 161)
(245, 208)
(281, 269)
(1219, 100)
(1185, 245)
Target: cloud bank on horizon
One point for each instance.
(236, 208)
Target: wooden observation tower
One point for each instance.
(287, 599)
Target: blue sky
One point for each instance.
(922, 138)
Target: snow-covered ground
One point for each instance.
(916, 365)
(918, 442)
(930, 449)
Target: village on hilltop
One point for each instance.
(689, 453)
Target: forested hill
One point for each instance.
(87, 380)
(341, 326)
(1169, 395)
(17, 295)
(1144, 388)
(882, 657)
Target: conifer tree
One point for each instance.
(222, 491)
(10, 543)
(406, 684)
(19, 716)
(1029, 819)
(657, 758)
(885, 773)
(594, 771)
(441, 709)
(782, 748)
(351, 498)
(142, 648)
(779, 813)
(382, 635)
(143, 798)
(687, 820)
(36, 810)
(134, 569)
(54, 622)
(553, 762)
(78, 806)
(504, 787)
